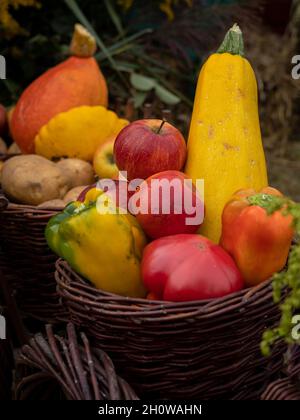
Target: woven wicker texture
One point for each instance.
(28, 261)
(179, 350)
(287, 388)
(52, 367)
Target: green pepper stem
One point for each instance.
(233, 42)
(270, 203)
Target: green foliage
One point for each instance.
(286, 280)
(140, 40)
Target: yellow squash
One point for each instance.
(224, 145)
(77, 133)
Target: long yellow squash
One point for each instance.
(224, 145)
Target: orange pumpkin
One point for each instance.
(75, 82)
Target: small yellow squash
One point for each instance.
(77, 133)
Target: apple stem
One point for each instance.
(161, 126)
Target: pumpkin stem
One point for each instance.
(83, 44)
(233, 42)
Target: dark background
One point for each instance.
(143, 39)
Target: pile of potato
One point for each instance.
(34, 180)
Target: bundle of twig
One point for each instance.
(57, 367)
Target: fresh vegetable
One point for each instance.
(13, 149)
(75, 82)
(73, 194)
(171, 205)
(105, 248)
(258, 243)
(117, 190)
(188, 267)
(286, 284)
(146, 147)
(3, 147)
(57, 203)
(78, 171)
(224, 144)
(104, 161)
(77, 133)
(31, 179)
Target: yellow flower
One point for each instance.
(164, 5)
(126, 4)
(9, 24)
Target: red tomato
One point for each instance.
(189, 267)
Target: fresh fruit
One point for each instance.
(116, 189)
(183, 268)
(77, 171)
(104, 248)
(83, 195)
(146, 147)
(258, 242)
(3, 120)
(75, 82)
(168, 205)
(224, 145)
(104, 161)
(77, 133)
(31, 179)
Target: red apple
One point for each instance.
(115, 188)
(83, 193)
(3, 120)
(146, 147)
(167, 203)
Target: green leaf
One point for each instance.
(73, 6)
(114, 16)
(142, 83)
(166, 96)
(139, 98)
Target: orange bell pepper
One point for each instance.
(258, 242)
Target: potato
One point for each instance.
(73, 194)
(78, 171)
(32, 179)
(3, 147)
(57, 203)
(13, 149)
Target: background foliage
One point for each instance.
(151, 51)
(165, 39)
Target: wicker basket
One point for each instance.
(54, 367)
(288, 387)
(25, 255)
(206, 349)
(26, 259)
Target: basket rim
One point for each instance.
(27, 209)
(83, 292)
